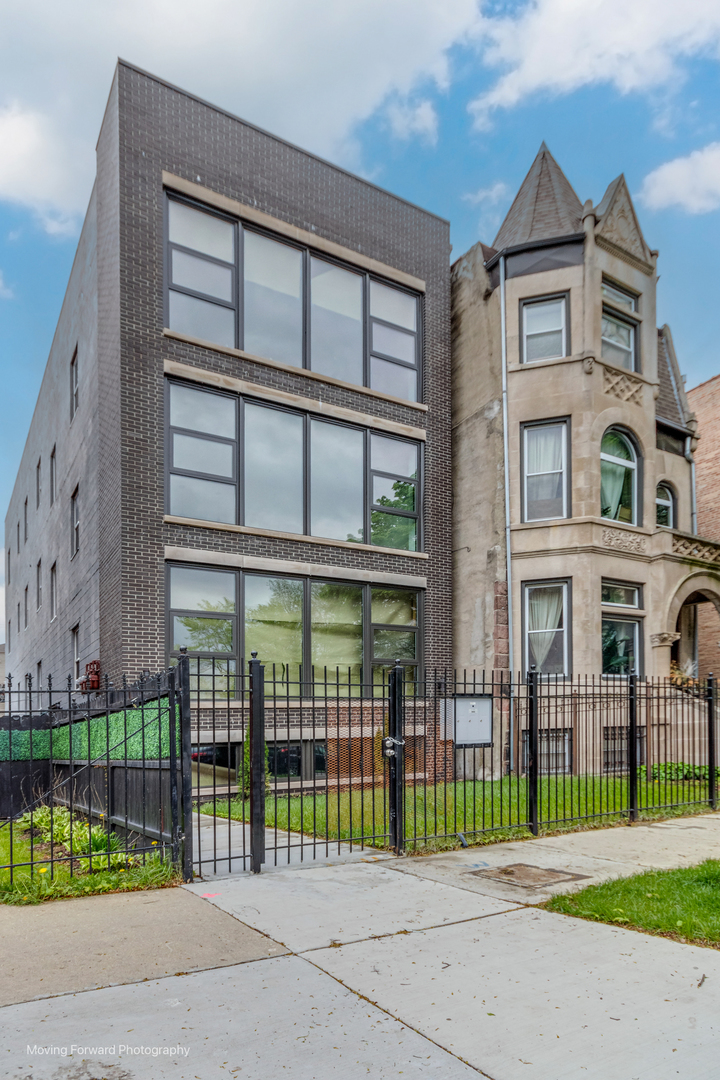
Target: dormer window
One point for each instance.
(544, 329)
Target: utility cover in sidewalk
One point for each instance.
(526, 876)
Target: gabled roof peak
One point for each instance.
(545, 207)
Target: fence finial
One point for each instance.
(183, 649)
(254, 654)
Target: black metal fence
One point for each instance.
(287, 766)
(92, 781)
(225, 769)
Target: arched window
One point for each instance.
(665, 506)
(618, 477)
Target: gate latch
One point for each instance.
(389, 744)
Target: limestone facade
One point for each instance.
(596, 260)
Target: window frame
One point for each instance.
(639, 606)
(635, 465)
(53, 476)
(26, 606)
(74, 385)
(623, 290)
(638, 620)
(75, 522)
(53, 592)
(241, 226)
(240, 646)
(38, 483)
(307, 418)
(525, 426)
(75, 639)
(25, 521)
(529, 301)
(38, 585)
(625, 318)
(671, 503)
(526, 586)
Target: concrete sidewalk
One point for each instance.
(380, 968)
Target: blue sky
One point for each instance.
(444, 102)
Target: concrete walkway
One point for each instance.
(379, 968)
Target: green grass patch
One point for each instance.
(442, 811)
(681, 904)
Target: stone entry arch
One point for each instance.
(692, 634)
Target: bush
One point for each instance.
(80, 839)
(676, 770)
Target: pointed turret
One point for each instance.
(545, 207)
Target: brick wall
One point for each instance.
(161, 128)
(704, 401)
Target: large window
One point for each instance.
(74, 523)
(546, 633)
(306, 631)
(239, 462)
(545, 487)
(620, 646)
(233, 286)
(618, 478)
(544, 329)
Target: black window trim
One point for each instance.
(524, 425)
(528, 301)
(307, 418)
(308, 252)
(240, 646)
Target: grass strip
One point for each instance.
(439, 812)
(680, 904)
(155, 874)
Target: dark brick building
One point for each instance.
(245, 416)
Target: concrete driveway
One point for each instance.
(381, 968)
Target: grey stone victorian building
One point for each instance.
(242, 438)
(576, 546)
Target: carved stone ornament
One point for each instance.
(623, 541)
(667, 638)
(588, 364)
(622, 386)
(620, 227)
(690, 548)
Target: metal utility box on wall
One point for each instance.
(473, 720)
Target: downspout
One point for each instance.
(506, 473)
(693, 497)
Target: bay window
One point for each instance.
(306, 631)
(618, 341)
(234, 286)
(545, 481)
(235, 461)
(546, 627)
(618, 478)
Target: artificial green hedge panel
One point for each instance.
(145, 732)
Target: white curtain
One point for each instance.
(612, 478)
(544, 619)
(544, 450)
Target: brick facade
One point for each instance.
(150, 128)
(705, 402)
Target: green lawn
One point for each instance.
(466, 807)
(683, 903)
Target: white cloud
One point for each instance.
(489, 196)
(6, 292)
(692, 182)
(408, 120)
(308, 70)
(557, 46)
